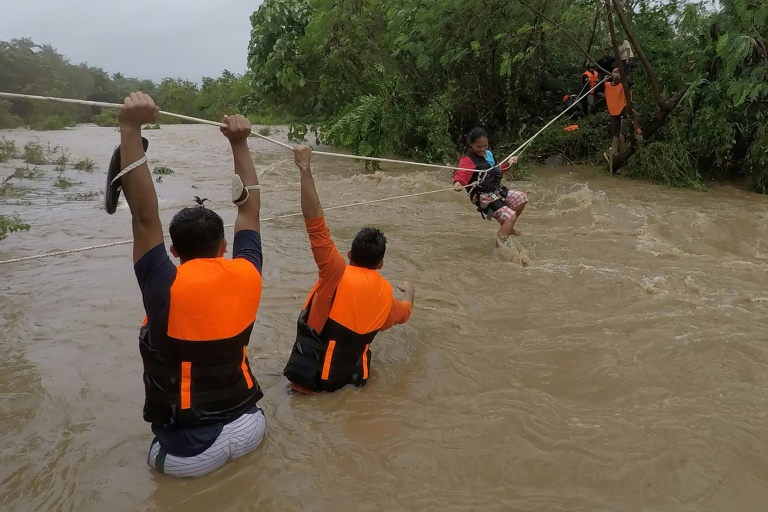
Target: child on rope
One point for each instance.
(493, 200)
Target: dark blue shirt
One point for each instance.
(156, 273)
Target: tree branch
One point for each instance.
(594, 31)
(569, 36)
(615, 44)
(655, 87)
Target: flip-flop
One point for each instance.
(112, 191)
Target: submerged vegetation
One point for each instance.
(412, 77)
(42, 160)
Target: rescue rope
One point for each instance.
(518, 151)
(222, 125)
(282, 144)
(124, 242)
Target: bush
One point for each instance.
(107, 118)
(58, 122)
(34, 153)
(584, 145)
(666, 163)
(7, 118)
(8, 150)
(11, 224)
(85, 164)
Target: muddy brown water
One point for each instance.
(614, 360)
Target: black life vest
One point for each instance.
(351, 356)
(340, 354)
(487, 183)
(195, 383)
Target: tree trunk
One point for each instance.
(653, 126)
(617, 56)
(655, 87)
(665, 105)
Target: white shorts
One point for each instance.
(236, 439)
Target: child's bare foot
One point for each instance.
(515, 232)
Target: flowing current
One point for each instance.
(613, 359)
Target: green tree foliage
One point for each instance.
(413, 76)
(224, 95)
(29, 68)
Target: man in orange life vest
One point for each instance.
(200, 394)
(348, 305)
(617, 104)
(589, 79)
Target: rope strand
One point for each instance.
(517, 152)
(124, 242)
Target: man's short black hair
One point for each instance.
(368, 248)
(196, 232)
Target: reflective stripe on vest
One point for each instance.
(340, 354)
(198, 373)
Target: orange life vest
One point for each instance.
(198, 373)
(614, 97)
(340, 354)
(592, 78)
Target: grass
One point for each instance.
(83, 196)
(34, 153)
(666, 163)
(85, 164)
(11, 224)
(63, 182)
(8, 150)
(25, 173)
(161, 169)
(62, 162)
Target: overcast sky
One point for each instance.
(142, 38)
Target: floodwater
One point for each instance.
(614, 360)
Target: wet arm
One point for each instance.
(330, 263)
(139, 190)
(400, 312)
(310, 202)
(247, 213)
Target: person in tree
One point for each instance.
(590, 79)
(492, 199)
(607, 60)
(617, 105)
(627, 56)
